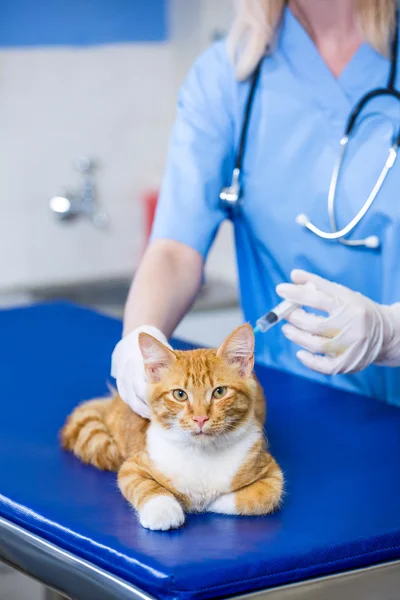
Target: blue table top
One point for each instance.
(340, 454)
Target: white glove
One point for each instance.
(127, 368)
(356, 332)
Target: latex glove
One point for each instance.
(355, 333)
(127, 368)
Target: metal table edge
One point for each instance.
(366, 583)
(59, 569)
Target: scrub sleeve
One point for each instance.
(200, 155)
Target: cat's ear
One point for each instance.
(157, 357)
(238, 350)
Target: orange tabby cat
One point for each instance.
(204, 447)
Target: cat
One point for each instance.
(204, 448)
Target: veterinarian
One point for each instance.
(263, 119)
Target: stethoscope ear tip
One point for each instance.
(302, 219)
(372, 242)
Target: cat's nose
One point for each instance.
(200, 421)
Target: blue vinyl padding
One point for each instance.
(340, 454)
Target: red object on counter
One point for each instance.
(150, 199)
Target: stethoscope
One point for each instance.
(231, 197)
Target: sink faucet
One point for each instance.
(70, 206)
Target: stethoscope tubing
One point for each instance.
(232, 196)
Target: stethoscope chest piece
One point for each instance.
(229, 198)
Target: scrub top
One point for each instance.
(298, 117)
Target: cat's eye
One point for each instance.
(180, 395)
(219, 392)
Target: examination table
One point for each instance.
(67, 525)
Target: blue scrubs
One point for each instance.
(298, 117)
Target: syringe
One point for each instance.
(271, 318)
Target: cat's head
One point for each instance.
(201, 395)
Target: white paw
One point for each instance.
(224, 505)
(161, 513)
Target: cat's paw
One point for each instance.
(161, 513)
(224, 505)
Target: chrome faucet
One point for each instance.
(70, 206)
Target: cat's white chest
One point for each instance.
(200, 475)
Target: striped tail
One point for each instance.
(86, 435)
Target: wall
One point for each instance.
(113, 102)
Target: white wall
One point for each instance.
(114, 103)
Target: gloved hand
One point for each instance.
(127, 368)
(355, 333)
